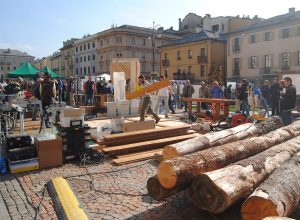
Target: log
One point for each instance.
(217, 190)
(182, 169)
(277, 218)
(278, 195)
(157, 192)
(218, 138)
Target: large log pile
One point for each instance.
(215, 139)
(182, 170)
(217, 190)
(279, 195)
(219, 176)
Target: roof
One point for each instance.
(200, 36)
(10, 52)
(26, 70)
(279, 19)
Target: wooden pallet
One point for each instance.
(136, 157)
(146, 145)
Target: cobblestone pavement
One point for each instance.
(105, 192)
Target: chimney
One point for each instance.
(179, 24)
(292, 10)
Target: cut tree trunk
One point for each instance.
(277, 218)
(278, 195)
(181, 170)
(218, 138)
(157, 192)
(217, 190)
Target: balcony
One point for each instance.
(266, 71)
(285, 67)
(184, 76)
(165, 63)
(202, 59)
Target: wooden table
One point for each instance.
(216, 102)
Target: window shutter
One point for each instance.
(272, 61)
(257, 38)
(249, 62)
(257, 62)
(263, 63)
(280, 34)
(280, 61)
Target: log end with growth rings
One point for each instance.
(257, 208)
(166, 175)
(169, 153)
(207, 196)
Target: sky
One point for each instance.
(39, 27)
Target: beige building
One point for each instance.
(67, 56)
(56, 62)
(195, 57)
(11, 60)
(265, 49)
(40, 63)
(132, 42)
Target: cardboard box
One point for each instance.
(71, 114)
(49, 152)
(139, 125)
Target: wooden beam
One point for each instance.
(137, 157)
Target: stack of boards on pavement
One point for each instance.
(136, 146)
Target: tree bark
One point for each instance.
(181, 170)
(157, 192)
(279, 195)
(218, 138)
(217, 190)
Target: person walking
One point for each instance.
(89, 90)
(188, 91)
(204, 92)
(288, 100)
(146, 102)
(162, 96)
(274, 96)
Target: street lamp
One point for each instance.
(154, 34)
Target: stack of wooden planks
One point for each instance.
(141, 145)
(264, 167)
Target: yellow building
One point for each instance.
(196, 57)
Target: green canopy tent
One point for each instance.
(26, 70)
(53, 74)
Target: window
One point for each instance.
(84, 47)
(190, 69)
(1, 67)
(84, 58)
(285, 33)
(80, 48)
(77, 71)
(190, 54)
(202, 70)
(178, 70)
(253, 39)
(253, 62)
(144, 42)
(166, 56)
(8, 68)
(107, 41)
(215, 28)
(236, 45)
(132, 53)
(298, 58)
(298, 31)
(94, 56)
(94, 45)
(178, 55)
(133, 40)
(76, 59)
(285, 60)
(119, 39)
(202, 52)
(267, 59)
(143, 67)
(101, 43)
(88, 46)
(89, 57)
(267, 36)
(15, 68)
(80, 59)
(76, 49)
(81, 70)
(94, 69)
(236, 66)
(143, 55)
(84, 70)
(89, 70)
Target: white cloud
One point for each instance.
(21, 47)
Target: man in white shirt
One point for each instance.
(162, 95)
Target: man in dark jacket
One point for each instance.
(188, 91)
(288, 101)
(89, 90)
(244, 96)
(274, 96)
